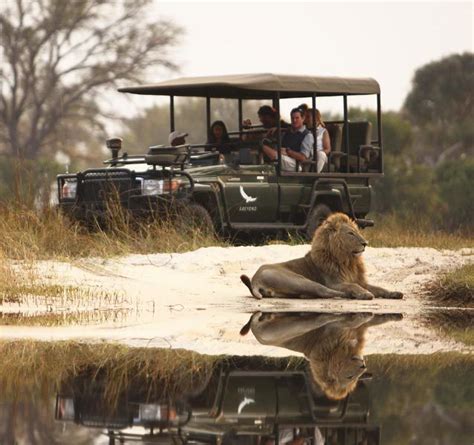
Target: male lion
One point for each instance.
(332, 343)
(332, 268)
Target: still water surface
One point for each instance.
(323, 390)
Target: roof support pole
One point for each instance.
(346, 132)
(276, 101)
(208, 115)
(379, 130)
(314, 129)
(240, 113)
(171, 114)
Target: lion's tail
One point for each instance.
(246, 328)
(246, 280)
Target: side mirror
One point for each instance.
(114, 145)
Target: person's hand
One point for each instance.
(271, 132)
(247, 123)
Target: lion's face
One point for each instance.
(339, 375)
(341, 236)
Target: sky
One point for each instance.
(383, 40)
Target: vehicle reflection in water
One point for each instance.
(332, 343)
(240, 403)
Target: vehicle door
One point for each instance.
(251, 194)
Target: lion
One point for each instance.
(332, 343)
(333, 268)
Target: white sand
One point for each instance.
(195, 300)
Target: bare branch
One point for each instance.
(59, 54)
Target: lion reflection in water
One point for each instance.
(332, 343)
(333, 268)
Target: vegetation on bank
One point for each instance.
(392, 230)
(454, 287)
(34, 235)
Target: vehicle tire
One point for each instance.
(317, 216)
(197, 217)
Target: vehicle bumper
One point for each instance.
(138, 206)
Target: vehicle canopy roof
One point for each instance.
(258, 86)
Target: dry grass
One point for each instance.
(392, 231)
(40, 366)
(21, 283)
(33, 235)
(455, 287)
(66, 317)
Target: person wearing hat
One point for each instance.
(177, 138)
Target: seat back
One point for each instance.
(335, 136)
(360, 133)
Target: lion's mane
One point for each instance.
(330, 356)
(330, 255)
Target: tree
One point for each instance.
(58, 55)
(441, 106)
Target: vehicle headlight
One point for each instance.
(152, 187)
(69, 189)
(65, 409)
(159, 186)
(158, 412)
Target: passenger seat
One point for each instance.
(360, 134)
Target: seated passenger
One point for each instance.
(219, 138)
(296, 144)
(268, 117)
(323, 141)
(177, 138)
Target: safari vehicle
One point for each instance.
(243, 193)
(235, 406)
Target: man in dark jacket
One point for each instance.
(296, 144)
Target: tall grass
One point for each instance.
(31, 234)
(454, 287)
(30, 367)
(416, 231)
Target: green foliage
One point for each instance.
(456, 189)
(441, 106)
(406, 189)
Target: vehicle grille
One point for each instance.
(104, 185)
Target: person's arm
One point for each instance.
(306, 149)
(295, 155)
(326, 142)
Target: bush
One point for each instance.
(455, 182)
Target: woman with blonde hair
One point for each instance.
(323, 142)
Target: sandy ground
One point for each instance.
(196, 301)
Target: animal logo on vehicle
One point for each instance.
(246, 401)
(247, 198)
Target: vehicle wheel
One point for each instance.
(196, 216)
(317, 216)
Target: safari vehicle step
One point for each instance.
(362, 223)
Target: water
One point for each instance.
(294, 378)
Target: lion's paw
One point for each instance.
(395, 295)
(361, 295)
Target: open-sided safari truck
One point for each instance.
(244, 193)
